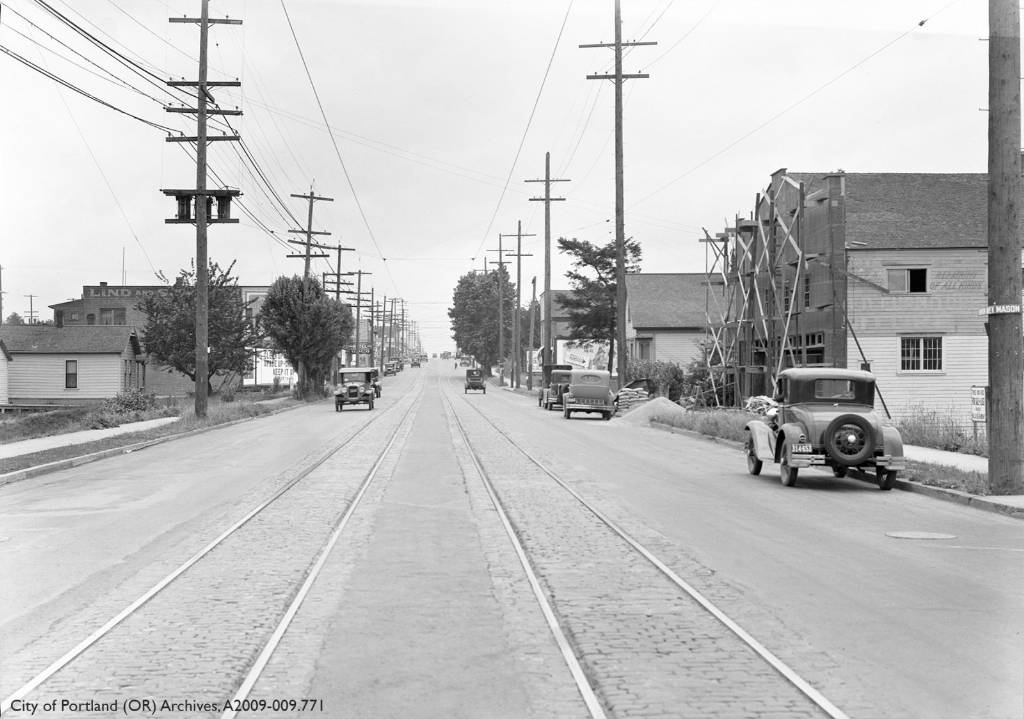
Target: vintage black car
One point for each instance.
(475, 380)
(390, 368)
(556, 383)
(589, 391)
(355, 386)
(825, 417)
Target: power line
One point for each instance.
(526, 130)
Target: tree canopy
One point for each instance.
(591, 305)
(474, 314)
(170, 332)
(307, 325)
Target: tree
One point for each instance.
(169, 335)
(308, 326)
(591, 305)
(474, 315)
(14, 319)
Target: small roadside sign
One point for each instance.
(977, 403)
(999, 310)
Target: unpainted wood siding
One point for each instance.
(40, 377)
(4, 374)
(679, 346)
(957, 289)
(946, 392)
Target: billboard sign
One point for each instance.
(582, 354)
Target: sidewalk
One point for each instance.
(28, 446)
(966, 462)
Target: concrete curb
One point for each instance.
(949, 495)
(28, 472)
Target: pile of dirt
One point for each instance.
(660, 409)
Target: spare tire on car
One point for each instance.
(849, 440)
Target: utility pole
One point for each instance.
(620, 225)
(517, 344)
(1005, 361)
(391, 330)
(533, 316)
(308, 232)
(200, 197)
(501, 311)
(31, 312)
(383, 310)
(358, 274)
(547, 352)
(2, 293)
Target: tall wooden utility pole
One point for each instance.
(383, 312)
(31, 311)
(547, 353)
(517, 343)
(308, 232)
(501, 311)
(533, 317)
(1005, 362)
(358, 274)
(200, 197)
(620, 224)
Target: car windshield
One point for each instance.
(834, 389)
(353, 377)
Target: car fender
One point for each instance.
(762, 436)
(892, 442)
(793, 431)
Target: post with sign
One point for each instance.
(978, 407)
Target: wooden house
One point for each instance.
(666, 315)
(71, 365)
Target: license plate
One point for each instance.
(800, 448)
(584, 400)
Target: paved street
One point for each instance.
(422, 608)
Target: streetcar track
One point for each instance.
(68, 657)
(583, 685)
(784, 670)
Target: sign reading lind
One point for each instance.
(123, 290)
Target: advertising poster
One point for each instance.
(266, 366)
(582, 354)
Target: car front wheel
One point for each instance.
(754, 464)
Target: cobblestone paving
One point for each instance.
(515, 671)
(649, 650)
(197, 638)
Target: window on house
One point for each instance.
(120, 316)
(71, 374)
(90, 319)
(643, 349)
(107, 316)
(74, 317)
(908, 280)
(920, 354)
(807, 291)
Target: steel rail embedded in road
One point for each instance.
(68, 657)
(774, 661)
(314, 572)
(586, 691)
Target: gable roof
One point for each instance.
(4, 352)
(891, 210)
(667, 299)
(88, 339)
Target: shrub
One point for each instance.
(128, 402)
(940, 430)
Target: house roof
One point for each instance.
(4, 351)
(911, 210)
(667, 299)
(89, 339)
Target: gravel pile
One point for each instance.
(660, 409)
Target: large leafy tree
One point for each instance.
(170, 332)
(307, 325)
(474, 314)
(591, 305)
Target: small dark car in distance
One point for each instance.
(557, 384)
(415, 362)
(390, 368)
(826, 417)
(475, 380)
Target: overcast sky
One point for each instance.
(428, 102)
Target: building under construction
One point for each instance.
(863, 270)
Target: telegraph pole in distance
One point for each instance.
(1005, 362)
(2, 293)
(533, 316)
(516, 329)
(359, 304)
(620, 225)
(501, 311)
(383, 311)
(31, 311)
(547, 353)
(308, 232)
(201, 197)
